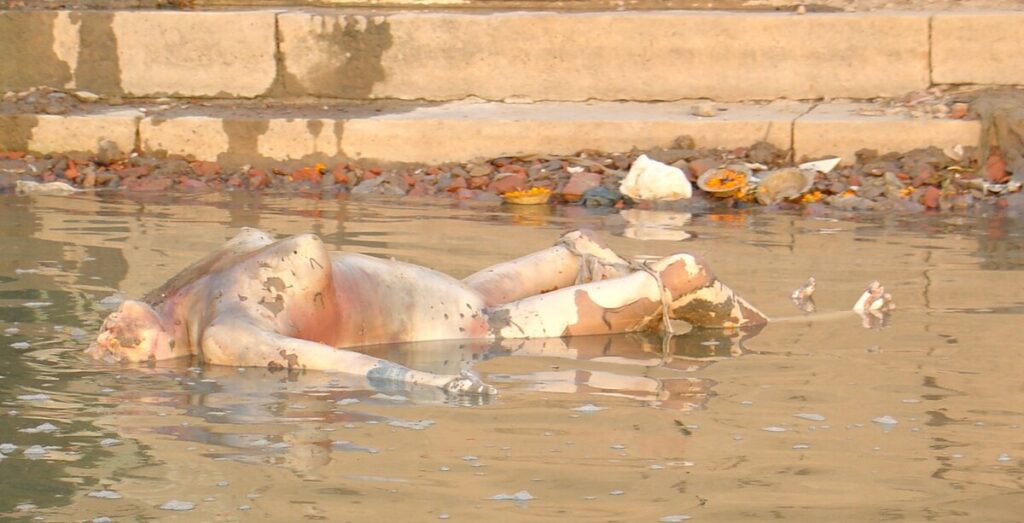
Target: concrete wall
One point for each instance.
(641, 56)
(460, 131)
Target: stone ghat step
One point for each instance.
(250, 133)
(568, 56)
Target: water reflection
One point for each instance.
(675, 427)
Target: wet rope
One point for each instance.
(586, 273)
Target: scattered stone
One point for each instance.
(885, 420)
(704, 109)
(958, 110)
(995, 168)
(20, 345)
(107, 152)
(86, 96)
(773, 428)
(677, 518)
(913, 181)
(579, 184)
(384, 185)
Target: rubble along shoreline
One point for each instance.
(919, 180)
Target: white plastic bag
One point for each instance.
(652, 180)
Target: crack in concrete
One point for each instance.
(792, 130)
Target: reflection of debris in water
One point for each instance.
(806, 306)
(875, 319)
(623, 355)
(643, 224)
(805, 291)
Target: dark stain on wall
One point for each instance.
(27, 58)
(16, 131)
(355, 46)
(98, 69)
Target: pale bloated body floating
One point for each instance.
(292, 304)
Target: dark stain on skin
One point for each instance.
(275, 307)
(705, 313)
(498, 320)
(313, 262)
(319, 299)
(274, 366)
(242, 298)
(291, 359)
(274, 283)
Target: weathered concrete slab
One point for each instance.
(200, 136)
(464, 131)
(195, 53)
(461, 131)
(243, 139)
(610, 56)
(837, 129)
(237, 134)
(978, 48)
(72, 133)
(139, 53)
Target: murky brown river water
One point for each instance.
(820, 417)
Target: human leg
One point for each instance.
(578, 257)
(628, 303)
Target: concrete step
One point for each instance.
(287, 53)
(237, 133)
